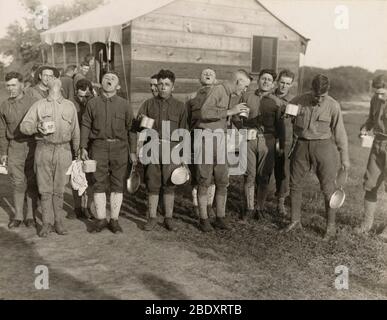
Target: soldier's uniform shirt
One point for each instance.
(266, 117)
(376, 172)
(53, 154)
(209, 111)
(37, 92)
(19, 147)
(320, 131)
(67, 87)
(107, 125)
(157, 176)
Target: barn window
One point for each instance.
(264, 55)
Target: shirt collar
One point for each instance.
(59, 100)
(111, 99)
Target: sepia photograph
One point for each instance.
(193, 155)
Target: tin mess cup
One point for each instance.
(292, 110)
(245, 114)
(89, 166)
(367, 141)
(49, 126)
(146, 122)
(3, 169)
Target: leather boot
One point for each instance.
(202, 199)
(331, 224)
(296, 201)
(262, 192)
(205, 225)
(220, 222)
(114, 226)
(368, 219)
(57, 201)
(281, 209)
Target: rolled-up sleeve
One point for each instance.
(29, 125)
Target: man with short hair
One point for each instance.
(207, 80)
(17, 149)
(53, 154)
(265, 126)
(107, 129)
(82, 72)
(210, 115)
(83, 94)
(164, 109)
(320, 131)
(42, 76)
(153, 85)
(376, 168)
(68, 82)
(281, 167)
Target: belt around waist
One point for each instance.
(53, 143)
(22, 140)
(313, 140)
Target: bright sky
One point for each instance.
(363, 43)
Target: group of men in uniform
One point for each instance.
(103, 128)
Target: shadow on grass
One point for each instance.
(163, 289)
(19, 260)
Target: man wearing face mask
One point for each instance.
(54, 123)
(376, 172)
(164, 109)
(320, 130)
(18, 150)
(211, 115)
(42, 76)
(207, 81)
(107, 128)
(264, 125)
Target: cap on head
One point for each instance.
(40, 70)
(378, 82)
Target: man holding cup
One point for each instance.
(18, 150)
(54, 123)
(210, 116)
(264, 124)
(107, 129)
(159, 111)
(376, 167)
(318, 121)
(207, 81)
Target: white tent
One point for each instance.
(103, 24)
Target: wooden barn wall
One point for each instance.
(190, 35)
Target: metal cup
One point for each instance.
(146, 122)
(49, 126)
(292, 110)
(367, 141)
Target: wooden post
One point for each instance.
(53, 55)
(64, 57)
(42, 51)
(123, 66)
(76, 54)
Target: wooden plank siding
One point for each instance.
(187, 36)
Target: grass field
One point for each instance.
(252, 261)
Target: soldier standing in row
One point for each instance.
(54, 123)
(319, 120)
(18, 149)
(107, 130)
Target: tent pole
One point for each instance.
(42, 51)
(53, 55)
(64, 56)
(76, 54)
(91, 47)
(123, 65)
